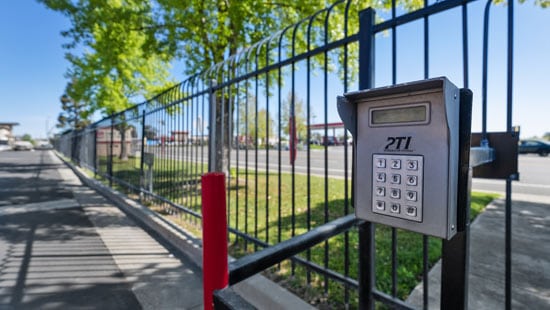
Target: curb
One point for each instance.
(258, 290)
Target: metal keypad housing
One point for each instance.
(415, 122)
(398, 186)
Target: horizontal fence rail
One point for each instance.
(267, 118)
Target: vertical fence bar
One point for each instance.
(509, 125)
(141, 163)
(346, 155)
(212, 143)
(426, 239)
(484, 73)
(246, 158)
(237, 142)
(292, 141)
(110, 167)
(366, 229)
(394, 81)
(256, 91)
(308, 154)
(96, 166)
(267, 144)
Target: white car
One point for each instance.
(4, 145)
(23, 146)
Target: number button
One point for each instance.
(412, 164)
(411, 211)
(411, 195)
(396, 179)
(395, 193)
(395, 208)
(380, 191)
(381, 163)
(412, 180)
(380, 205)
(395, 164)
(381, 177)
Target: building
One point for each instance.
(104, 141)
(7, 138)
(180, 137)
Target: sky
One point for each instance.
(32, 65)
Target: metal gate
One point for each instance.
(252, 115)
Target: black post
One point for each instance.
(455, 252)
(96, 166)
(141, 176)
(110, 172)
(212, 136)
(508, 214)
(366, 229)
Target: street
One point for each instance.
(534, 170)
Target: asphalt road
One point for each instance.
(534, 170)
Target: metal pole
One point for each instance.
(366, 229)
(484, 74)
(111, 152)
(212, 143)
(508, 219)
(455, 252)
(96, 166)
(143, 140)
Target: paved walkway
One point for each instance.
(530, 258)
(64, 246)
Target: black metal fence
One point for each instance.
(255, 116)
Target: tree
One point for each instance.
(249, 121)
(120, 63)
(546, 136)
(205, 33)
(150, 132)
(75, 114)
(27, 137)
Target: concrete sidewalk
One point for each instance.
(530, 258)
(75, 250)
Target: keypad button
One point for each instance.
(412, 180)
(412, 164)
(381, 163)
(395, 193)
(381, 177)
(380, 205)
(380, 191)
(411, 195)
(395, 208)
(396, 179)
(411, 211)
(395, 164)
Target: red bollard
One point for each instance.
(214, 236)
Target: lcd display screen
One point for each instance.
(398, 115)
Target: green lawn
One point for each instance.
(283, 207)
(327, 201)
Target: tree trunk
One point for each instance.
(123, 149)
(222, 135)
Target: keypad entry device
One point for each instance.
(397, 186)
(406, 160)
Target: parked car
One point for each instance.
(331, 140)
(23, 146)
(4, 145)
(44, 146)
(534, 146)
